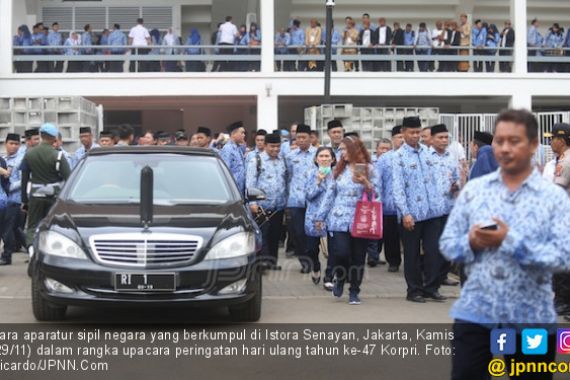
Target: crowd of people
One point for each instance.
(372, 43)
(505, 219)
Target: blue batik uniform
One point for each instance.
(80, 153)
(233, 156)
(86, 40)
(284, 40)
(117, 38)
(299, 166)
(511, 284)
(386, 184)
(339, 204)
(554, 40)
(297, 37)
(478, 37)
(272, 179)
(414, 184)
(315, 194)
(446, 173)
(55, 39)
(14, 193)
(251, 155)
(409, 38)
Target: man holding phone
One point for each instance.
(510, 230)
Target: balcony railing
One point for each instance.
(206, 58)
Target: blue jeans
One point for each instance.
(348, 257)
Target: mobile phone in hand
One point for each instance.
(360, 169)
(489, 226)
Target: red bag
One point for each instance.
(367, 223)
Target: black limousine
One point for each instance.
(148, 226)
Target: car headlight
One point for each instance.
(237, 245)
(53, 243)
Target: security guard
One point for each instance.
(268, 172)
(44, 170)
(300, 163)
(560, 143)
(234, 155)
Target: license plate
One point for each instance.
(136, 282)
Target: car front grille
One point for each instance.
(145, 249)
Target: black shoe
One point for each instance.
(415, 298)
(5, 262)
(449, 282)
(381, 262)
(372, 263)
(316, 279)
(436, 296)
(393, 268)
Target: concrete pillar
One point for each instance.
(267, 114)
(519, 22)
(521, 100)
(267, 32)
(6, 33)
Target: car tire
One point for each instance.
(249, 311)
(43, 309)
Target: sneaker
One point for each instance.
(338, 289)
(353, 299)
(328, 285)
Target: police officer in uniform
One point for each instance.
(268, 172)
(44, 170)
(560, 143)
(233, 154)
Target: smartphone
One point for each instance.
(489, 226)
(325, 170)
(360, 169)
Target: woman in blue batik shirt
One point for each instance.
(23, 38)
(319, 180)
(553, 44)
(194, 39)
(337, 211)
(491, 43)
(254, 42)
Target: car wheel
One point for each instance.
(44, 310)
(249, 311)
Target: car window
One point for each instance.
(178, 179)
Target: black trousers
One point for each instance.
(143, 66)
(329, 268)
(368, 65)
(426, 234)
(313, 244)
(383, 65)
(348, 257)
(10, 230)
(472, 354)
(270, 232)
(38, 209)
(478, 65)
(227, 65)
(505, 67)
(445, 265)
(298, 226)
(392, 247)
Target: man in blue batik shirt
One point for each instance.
(510, 229)
(447, 179)
(415, 199)
(297, 44)
(233, 155)
(54, 38)
(391, 239)
(12, 218)
(270, 176)
(117, 38)
(335, 130)
(282, 42)
(300, 162)
(87, 143)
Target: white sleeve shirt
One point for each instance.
(139, 34)
(228, 33)
(382, 36)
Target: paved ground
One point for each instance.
(288, 297)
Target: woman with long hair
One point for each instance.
(319, 180)
(354, 175)
(254, 41)
(492, 42)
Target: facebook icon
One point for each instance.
(503, 341)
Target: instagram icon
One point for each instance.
(563, 341)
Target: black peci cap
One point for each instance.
(411, 122)
(273, 138)
(332, 124)
(13, 137)
(484, 137)
(439, 128)
(303, 128)
(396, 130)
(84, 130)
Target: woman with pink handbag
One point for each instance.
(354, 175)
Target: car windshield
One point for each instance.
(178, 179)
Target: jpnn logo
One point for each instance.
(535, 341)
(503, 341)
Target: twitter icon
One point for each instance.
(534, 341)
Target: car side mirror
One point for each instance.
(253, 195)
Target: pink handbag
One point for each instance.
(367, 223)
